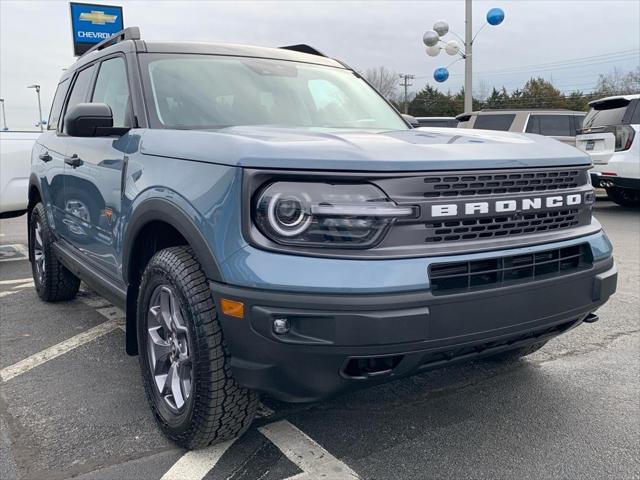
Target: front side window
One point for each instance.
(500, 122)
(112, 88)
(56, 106)
(80, 89)
(206, 91)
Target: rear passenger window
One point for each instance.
(577, 120)
(553, 125)
(56, 106)
(80, 89)
(494, 122)
(112, 88)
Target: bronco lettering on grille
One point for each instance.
(503, 206)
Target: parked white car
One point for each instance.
(15, 165)
(609, 136)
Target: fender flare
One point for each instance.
(159, 209)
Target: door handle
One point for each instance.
(73, 160)
(45, 157)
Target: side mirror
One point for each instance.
(411, 120)
(91, 120)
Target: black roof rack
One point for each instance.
(129, 33)
(302, 48)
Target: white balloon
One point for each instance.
(434, 51)
(452, 47)
(441, 27)
(430, 38)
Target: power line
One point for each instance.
(561, 64)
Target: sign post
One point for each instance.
(92, 24)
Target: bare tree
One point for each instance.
(618, 83)
(384, 80)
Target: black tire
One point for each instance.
(215, 408)
(625, 197)
(515, 354)
(52, 280)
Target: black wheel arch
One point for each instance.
(152, 212)
(161, 210)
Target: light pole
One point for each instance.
(432, 39)
(4, 116)
(37, 87)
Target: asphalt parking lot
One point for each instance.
(571, 410)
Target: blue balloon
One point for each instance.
(495, 16)
(441, 74)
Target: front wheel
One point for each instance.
(184, 357)
(625, 197)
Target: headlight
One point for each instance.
(323, 214)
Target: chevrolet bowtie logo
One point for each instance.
(97, 17)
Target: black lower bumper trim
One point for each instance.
(395, 334)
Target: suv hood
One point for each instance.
(419, 149)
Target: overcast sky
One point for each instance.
(569, 42)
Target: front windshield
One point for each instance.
(206, 91)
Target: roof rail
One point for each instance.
(303, 48)
(129, 33)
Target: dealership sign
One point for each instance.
(92, 24)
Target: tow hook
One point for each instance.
(591, 318)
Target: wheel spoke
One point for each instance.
(176, 387)
(165, 309)
(160, 350)
(185, 378)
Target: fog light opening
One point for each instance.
(371, 366)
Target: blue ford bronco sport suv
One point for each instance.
(270, 223)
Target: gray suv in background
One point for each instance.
(559, 124)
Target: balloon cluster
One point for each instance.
(434, 43)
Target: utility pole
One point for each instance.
(4, 116)
(39, 124)
(405, 83)
(468, 68)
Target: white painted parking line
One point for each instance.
(61, 348)
(194, 465)
(309, 456)
(16, 280)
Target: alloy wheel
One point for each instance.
(38, 252)
(168, 349)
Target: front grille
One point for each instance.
(501, 183)
(493, 272)
(492, 227)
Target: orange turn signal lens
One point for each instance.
(232, 308)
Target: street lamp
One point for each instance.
(39, 124)
(4, 116)
(435, 44)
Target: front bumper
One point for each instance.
(339, 342)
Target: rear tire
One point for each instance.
(52, 280)
(625, 197)
(180, 340)
(513, 355)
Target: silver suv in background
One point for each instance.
(559, 124)
(449, 122)
(609, 136)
